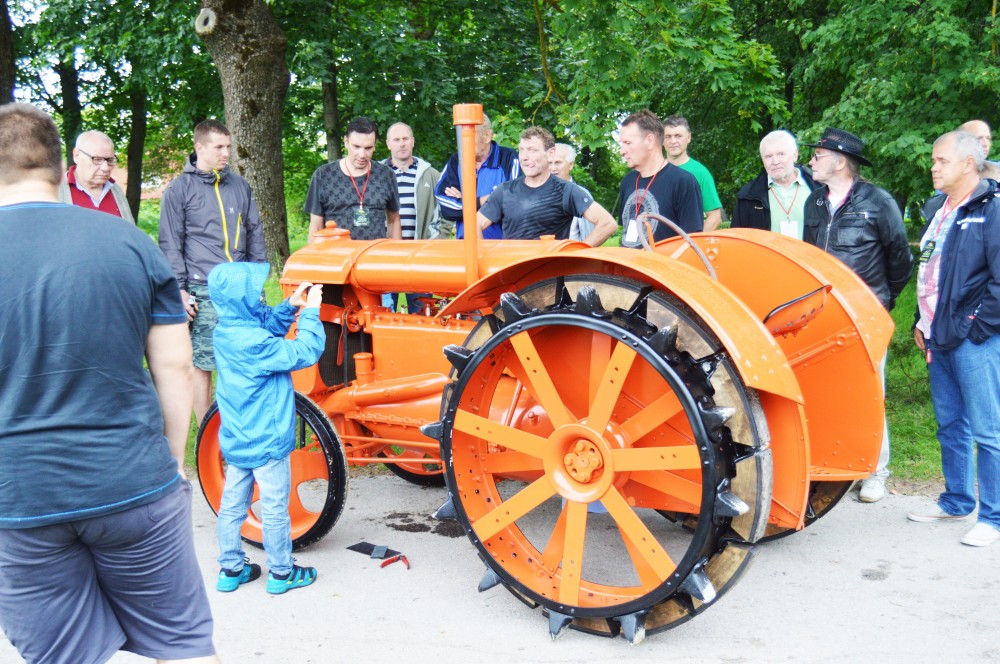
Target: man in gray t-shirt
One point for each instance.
(539, 203)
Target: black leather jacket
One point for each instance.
(867, 234)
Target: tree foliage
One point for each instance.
(897, 72)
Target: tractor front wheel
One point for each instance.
(319, 475)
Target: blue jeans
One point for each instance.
(275, 481)
(965, 389)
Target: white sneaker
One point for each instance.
(872, 490)
(982, 534)
(934, 513)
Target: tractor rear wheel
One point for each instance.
(319, 475)
(570, 425)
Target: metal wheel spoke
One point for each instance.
(494, 432)
(537, 379)
(600, 351)
(655, 414)
(656, 458)
(572, 559)
(635, 531)
(670, 485)
(513, 508)
(554, 547)
(611, 383)
(295, 506)
(500, 463)
(308, 465)
(647, 575)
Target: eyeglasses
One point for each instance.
(817, 157)
(100, 161)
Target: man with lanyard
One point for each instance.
(958, 327)
(494, 166)
(776, 199)
(654, 185)
(540, 203)
(355, 192)
(208, 216)
(676, 138)
(860, 224)
(88, 182)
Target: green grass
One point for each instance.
(915, 451)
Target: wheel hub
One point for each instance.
(583, 460)
(578, 463)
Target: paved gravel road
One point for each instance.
(861, 585)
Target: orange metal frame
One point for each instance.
(808, 379)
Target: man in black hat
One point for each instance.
(860, 224)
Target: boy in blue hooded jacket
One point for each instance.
(257, 409)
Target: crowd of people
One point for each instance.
(78, 521)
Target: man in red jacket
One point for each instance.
(88, 183)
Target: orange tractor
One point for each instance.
(617, 429)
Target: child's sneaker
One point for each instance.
(230, 580)
(299, 577)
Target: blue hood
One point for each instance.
(235, 289)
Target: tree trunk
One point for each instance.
(331, 116)
(72, 111)
(8, 69)
(248, 48)
(136, 140)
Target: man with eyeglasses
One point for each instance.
(860, 224)
(88, 182)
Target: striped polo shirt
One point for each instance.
(406, 182)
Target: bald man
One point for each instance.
(88, 182)
(984, 135)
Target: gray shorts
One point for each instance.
(74, 593)
(202, 328)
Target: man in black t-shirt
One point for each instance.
(654, 185)
(540, 203)
(359, 194)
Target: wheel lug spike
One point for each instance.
(715, 417)
(432, 430)
(557, 623)
(634, 626)
(588, 303)
(458, 356)
(447, 511)
(728, 504)
(562, 298)
(665, 340)
(639, 305)
(513, 307)
(698, 586)
(490, 580)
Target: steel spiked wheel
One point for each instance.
(319, 475)
(582, 407)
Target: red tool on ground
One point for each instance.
(397, 558)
